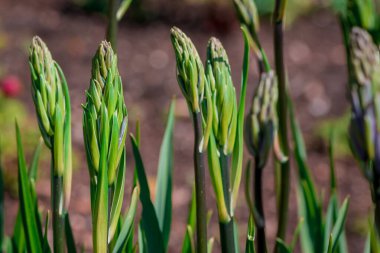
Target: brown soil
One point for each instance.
(317, 76)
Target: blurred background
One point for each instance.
(73, 29)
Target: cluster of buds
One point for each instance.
(190, 72)
(52, 102)
(223, 95)
(191, 79)
(105, 122)
(224, 123)
(105, 113)
(261, 122)
(365, 100)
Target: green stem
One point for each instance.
(227, 238)
(258, 193)
(112, 24)
(200, 195)
(377, 216)
(282, 110)
(58, 216)
(376, 189)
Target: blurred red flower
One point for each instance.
(10, 86)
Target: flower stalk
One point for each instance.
(112, 25)
(258, 193)
(52, 103)
(261, 136)
(365, 109)
(191, 79)
(282, 111)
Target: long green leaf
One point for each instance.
(26, 203)
(7, 246)
(210, 245)
(123, 9)
(18, 238)
(236, 235)
(237, 156)
(127, 227)
(163, 202)
(187, 246)
(342, 247)
(70, 241)
(45, 245)
(100, 219)
(339, 224)
(309, 206)
(117, 200)
(282, 247)
(149, 221)
(250, 241)
(33, 168)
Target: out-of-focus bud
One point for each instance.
(247, 13)
(365, 95)
(224, 105)
(190, 72)
(261, 122)
(105, 101)
(10, 86)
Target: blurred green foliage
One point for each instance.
(295, 8)
(340, 136)
(12, 110)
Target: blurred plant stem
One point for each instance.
(112, 24)
(258, 193)
(282, 110)
(200, 194)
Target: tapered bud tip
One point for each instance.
(175, 31)
(105, 52)
(37, 42)
(216, 50)
(39, 54)
(190, 72)
(215, 44)
(105, 48)
(181, 42)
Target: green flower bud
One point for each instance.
(46, 88)
(190, 72)
(105, 91)
(224, 104)
(52, 102)
(261, 122)
(247, 13)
